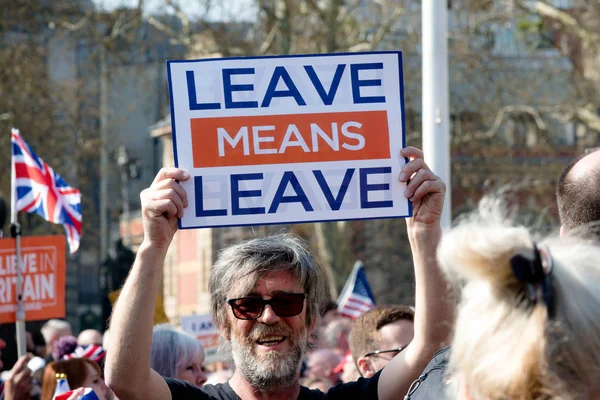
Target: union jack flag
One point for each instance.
(356, 297)
(42, 191)
(88, 394)
(91, 351)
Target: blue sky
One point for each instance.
(220, 10)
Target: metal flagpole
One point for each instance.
(15, 231)
(436, 136)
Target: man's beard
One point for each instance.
(273, 370)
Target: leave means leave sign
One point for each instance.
(287, 139)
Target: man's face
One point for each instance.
(268, 351)
(395, 335)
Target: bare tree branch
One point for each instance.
(345, 11)
(385, 28)
(589, 116)
(382, 31)
(76, 26)
(267, 44)
(185, 21)
(501, 116)
(315, 7)
(324, 250)
(568, 22)
(178, 38)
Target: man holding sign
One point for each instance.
(281, 140)
(265, 296)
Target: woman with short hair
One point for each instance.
(176, 354)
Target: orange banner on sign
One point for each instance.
(43, 271)
(297, 138)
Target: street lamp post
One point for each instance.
(123, 162)
(436, 114)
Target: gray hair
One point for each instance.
(259, 256)
(171, 349)
(55, 327)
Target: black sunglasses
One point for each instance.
(284, 305)
(378, 352)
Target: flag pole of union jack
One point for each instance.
(38, 189)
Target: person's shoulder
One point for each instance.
(362, 389)
(310, 394)
(181, 390)
(221, 391)
(433, 383)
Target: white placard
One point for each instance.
(288, 139)
(203, 328)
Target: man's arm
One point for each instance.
(434, 303)
(128, 371)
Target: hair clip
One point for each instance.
(537, 274)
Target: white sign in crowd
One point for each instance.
(203, 328)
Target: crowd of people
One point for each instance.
(500, 313)
(80, 358)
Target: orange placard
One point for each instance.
(293, 138)
(44, 270)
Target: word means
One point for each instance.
(292, 138)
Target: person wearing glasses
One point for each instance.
(379, 335)
(266, 297)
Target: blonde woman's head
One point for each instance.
(506, 344)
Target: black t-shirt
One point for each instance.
(363, 389)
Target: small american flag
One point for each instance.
(356, 296)
(42, 191)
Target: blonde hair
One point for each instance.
(505, 346)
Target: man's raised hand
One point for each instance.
(424, 189)
(162, 203)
